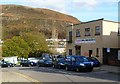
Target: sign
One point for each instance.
(118, 54)
(86, 40)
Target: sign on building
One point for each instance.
(86, 40)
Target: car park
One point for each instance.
(78, 63)
(95, 61)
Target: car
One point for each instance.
(59, 63)
(78, 63)
(45, 62)
(32, 59)
(10, 64)
(27, 63)
(95, 61)
(6, 64)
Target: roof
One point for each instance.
(92, 21)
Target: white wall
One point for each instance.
(109, 26)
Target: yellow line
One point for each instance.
(28, 78)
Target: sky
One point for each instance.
(83, 10)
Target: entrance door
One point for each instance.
(78, 50)
(90, 53)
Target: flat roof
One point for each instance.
(92, 21)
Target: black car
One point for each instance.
(6, 64)
(10, 64)
(78, 63)
(45, 62)
(95, 61)
(27, 63)
(59, 63)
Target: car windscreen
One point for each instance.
(93, 58)
(61, 59)
(82, 59)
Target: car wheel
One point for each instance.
(59, 67)
(77, 69)
(90, 70)
(67, 68)
(29, 65)
(53, 66)
(39, 65)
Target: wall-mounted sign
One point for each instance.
(86, 40)
(118, 54)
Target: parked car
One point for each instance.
(27, 63)
(10, 64)
(78, 63)
(95, 61)
(32, 59)
(6, 64)
(45, 62)
(59, 63)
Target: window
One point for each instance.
(70, 36)
(70, 51)
(78, 50)
(78, 33)
(87, 31)
(97, 30)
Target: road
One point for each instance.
(49, 74)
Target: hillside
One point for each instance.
(17, 19)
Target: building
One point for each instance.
(92, 38)
(57, 45)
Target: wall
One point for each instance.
(110, 37)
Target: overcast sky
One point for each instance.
(84, 10)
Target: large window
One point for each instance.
(77, 32)
(87, 31)
(97, 30)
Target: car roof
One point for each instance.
(76, 56)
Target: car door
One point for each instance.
(68, 61)
(73, 62)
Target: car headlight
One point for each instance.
(81, 64)
(47, 63)
(61, 64)
(91, 63)
(4, 63)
